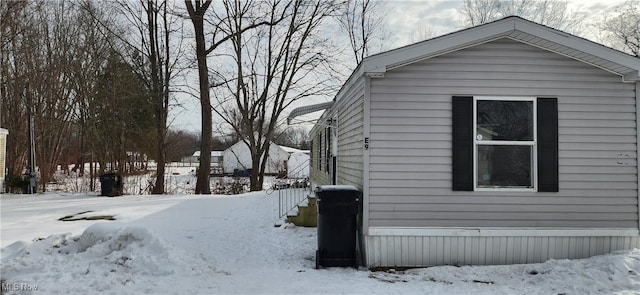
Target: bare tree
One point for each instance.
(479, 12)
(53, 96)
(622, 27)
(197, 10)
(158, 53)
(296, 137)
(552, 13)
(17, 28)
(423, 33)
(154, 47)
(54, 58)
(274, 66)
(363, 23)
(37, 78)
(181, 143)
(98, 34)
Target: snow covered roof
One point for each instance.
(291, 150)
(213, 154)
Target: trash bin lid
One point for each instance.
(337, 188)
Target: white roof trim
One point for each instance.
(291, 150)
(213, 154)
(433, 47)
(514, 28)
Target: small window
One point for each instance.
(504, 143)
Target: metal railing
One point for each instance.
(292, 190)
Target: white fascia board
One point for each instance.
(632, 76)
(355, 76)
(503, 232)
(377, 65)
(578, 44)
(318, 124)
(4, 131)
(382, 62)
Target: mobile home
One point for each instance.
(509, 142)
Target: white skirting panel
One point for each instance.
(421, 251)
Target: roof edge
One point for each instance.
(384, 61)
(415, 52)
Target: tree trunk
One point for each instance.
(204, 169)
(254, 177)
(158, 187)
(92, 185)
(157, 96)
(83, 148)
(262, 160)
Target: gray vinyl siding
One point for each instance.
(349, 112)
(410, 142)
(317, 173)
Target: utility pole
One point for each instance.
(31, 170)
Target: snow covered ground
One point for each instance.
(186, 244)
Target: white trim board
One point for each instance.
(366, 153)
(503, 232)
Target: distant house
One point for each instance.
(3, 157)
(298, 165)
(190, 159)
(216, 161)
(237, 158)
(216, 156)
(509, 142)
(298, 162)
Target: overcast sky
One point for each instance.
(406, 20)
(405, 17)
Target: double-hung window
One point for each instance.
(504, 145)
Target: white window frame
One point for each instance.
(533, 144)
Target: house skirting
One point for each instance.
(421, 247)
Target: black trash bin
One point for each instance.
(110, 184)
(337, 211)
(28, 184)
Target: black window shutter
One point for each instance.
(548, 145)
(462, 143)
(320, 150)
